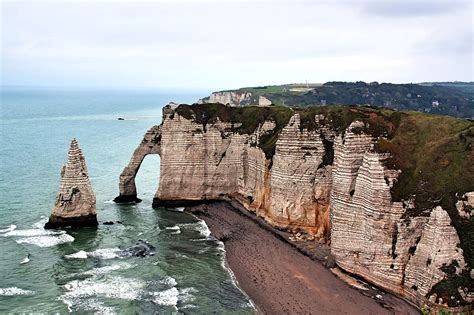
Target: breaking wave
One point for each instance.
(80, 293)
(46, 240)
(102, 253)
(199, 226)
(8, 229)
(13, 291)
(176, 229)
(38, 235)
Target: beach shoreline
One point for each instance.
(284, 277)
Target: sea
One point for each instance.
(81, 270)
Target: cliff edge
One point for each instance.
(391, 192)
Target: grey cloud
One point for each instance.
(412, 8)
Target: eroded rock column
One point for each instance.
(75, 202)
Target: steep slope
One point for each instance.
(75, 202)
(388, 190)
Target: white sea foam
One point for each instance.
(186, 294)
(175, 229)
(46, 240)
(105, 253)
(33, 232)
(40, 224)
(8, 229)
(79, 255)
(105, 269)
(14, 291)
(199, 226)
(170, 281)
(112, 287)
(102, 253)
(81, 294)
(95, 306)
(38, 235)
(166, 297)
(25, 260)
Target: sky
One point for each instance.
(223, 44)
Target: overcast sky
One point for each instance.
(228, 44)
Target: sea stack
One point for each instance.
(75, 202)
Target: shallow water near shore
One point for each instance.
(81, 270)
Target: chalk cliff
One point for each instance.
(361, 179)
(75, 202)
(236, 98)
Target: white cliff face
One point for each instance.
(209, 159)
(438, 246)
(369, 236)
(236, 98)
(75, 202)
(296, 174)
(151, 144)
(228, 98)
(345, 200)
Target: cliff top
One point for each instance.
(433, 152)
(447, 98)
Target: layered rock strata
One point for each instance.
(318, 174)
(236, 98)
(75, 204)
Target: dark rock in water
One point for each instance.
(108, 223)
(120, 118)
(56, 222)
(142, 249)
(127, 199)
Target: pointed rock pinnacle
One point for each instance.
(75, 202)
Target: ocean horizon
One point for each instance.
(81, 270)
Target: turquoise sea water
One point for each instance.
(79, 270)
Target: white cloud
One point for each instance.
(223, 44)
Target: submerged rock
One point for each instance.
(141, 249)
(75, 202)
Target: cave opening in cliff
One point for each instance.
(147, 177)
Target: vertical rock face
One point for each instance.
(320, 174)
(151, 144)
(75, 202)
(236, 98)
(300, 181)
(437, 247)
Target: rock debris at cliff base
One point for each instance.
(367, 181)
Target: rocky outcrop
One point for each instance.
(236, 98)
(75, 202)
(313, 171)
(151, 144)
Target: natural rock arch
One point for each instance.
(151, 144)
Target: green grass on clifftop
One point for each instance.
(434, 152)
(247, 119)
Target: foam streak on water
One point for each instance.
(13, 291)
(39, 124)
(9, 229)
